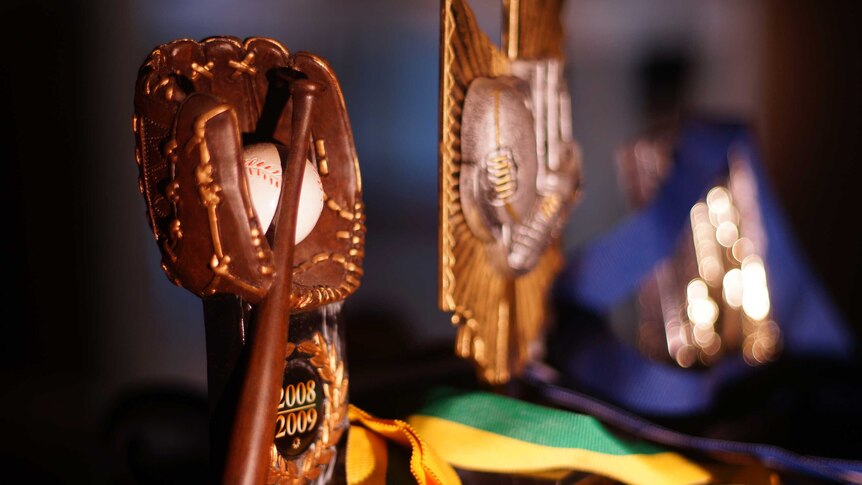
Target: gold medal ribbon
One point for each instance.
(367, 455)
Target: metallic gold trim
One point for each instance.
(243, 66)
(198, 70)
(322, 162)
(209, 196)
(512, 34)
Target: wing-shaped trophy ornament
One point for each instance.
(509, 174)
(250, 175)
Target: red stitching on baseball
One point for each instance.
(265, 171)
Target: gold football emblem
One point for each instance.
(509, 172)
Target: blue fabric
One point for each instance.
(607, 271)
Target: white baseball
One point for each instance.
(263, 172)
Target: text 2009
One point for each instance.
(297, 411)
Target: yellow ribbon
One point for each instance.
(479, 450)
(367, 457)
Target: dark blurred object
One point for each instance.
(574, 478)
(389, 378)
(47, 346)
(813, 100)
(43, 217)
(157, 436)
(664, 79)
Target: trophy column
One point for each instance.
(253, 194)
(313, 395)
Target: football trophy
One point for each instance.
(251, 180)
(509, 174)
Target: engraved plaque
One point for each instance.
(299, 409)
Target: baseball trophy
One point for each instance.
(253, 193)
(509, 174)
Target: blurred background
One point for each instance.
(91, 319)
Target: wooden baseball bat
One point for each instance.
(254, 423)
